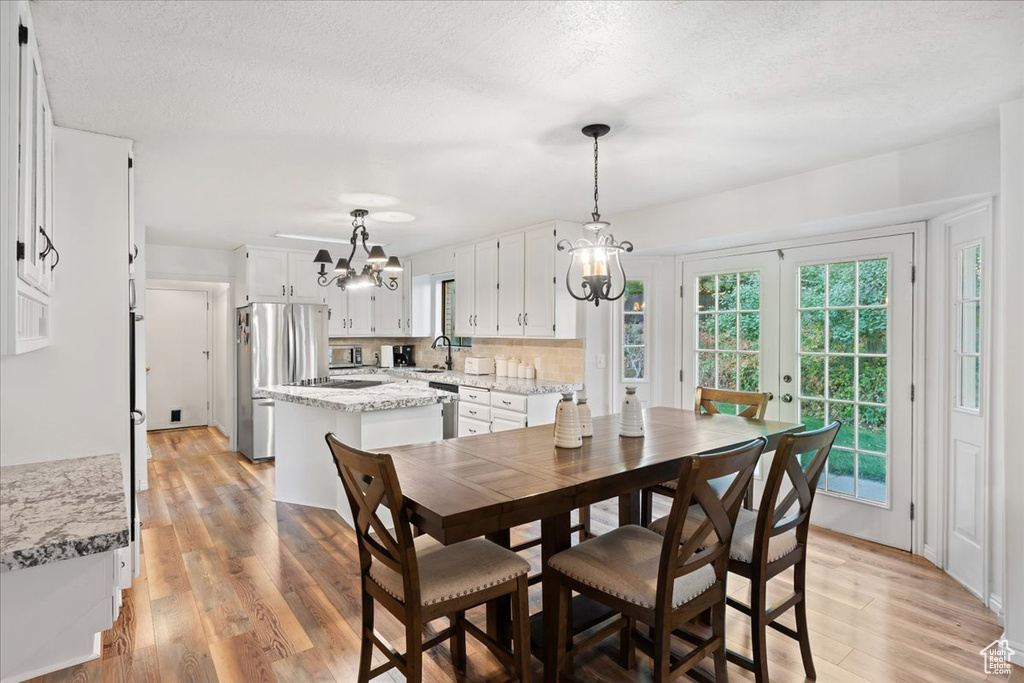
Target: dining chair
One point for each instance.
(657, 581)
(706, 402)
(769, 541)
(418, 580)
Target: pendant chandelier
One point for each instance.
(380, 270)
(595, 259)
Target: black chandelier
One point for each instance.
(597, 257)
(373, 272)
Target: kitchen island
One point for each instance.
(384, 414)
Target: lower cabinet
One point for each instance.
(482, 410)
(469, 427)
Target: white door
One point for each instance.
(465, 290)
(302, 280)
(967, 455)
(337, 312)
(846, 339)
(177, 352)
(267, 276)
(387, 307)
(510, 285)
(539, 283)
(360, 310)
(485, 295)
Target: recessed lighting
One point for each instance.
(321, 238)
(364, 199)
(392, 216)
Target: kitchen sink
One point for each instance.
(348, 384)
(426, 371)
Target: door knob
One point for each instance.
(787, 378)
(138, 416)
(771, 396)
(787, 398)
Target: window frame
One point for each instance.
(646, 346)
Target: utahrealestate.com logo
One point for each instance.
(997, 657)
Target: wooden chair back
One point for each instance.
(775, 517)
(754, 404)
(678, 557)
(370, 481)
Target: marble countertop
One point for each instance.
(388, 396)
(61, 509)
(511, 385)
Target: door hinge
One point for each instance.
(911, 512)
(498, 286)
(20, 256)
(913, 274)
(22, 34)
(680, 291)
(680, 375)
(913, 392)
(552, 328)
(207, 305)
(782, 254)
(554, 280)
(131, 163)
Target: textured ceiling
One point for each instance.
(251, 118)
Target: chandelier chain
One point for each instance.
(597, 213)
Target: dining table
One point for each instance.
(486, 484)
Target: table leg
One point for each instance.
(499, 610)
(629, 508)
(555, 538)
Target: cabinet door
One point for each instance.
(302, 285)
(539, 289)
(360, 310)
(485, 319)
(267, 276)
(31, 175)
(465, 291)
(387, 311)
(337, 312)
(510, 286)
(406, 280)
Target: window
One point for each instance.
(448, 314)
(729, 333)
(634, 332)
(968, 340)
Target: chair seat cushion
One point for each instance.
(742, 548)
(448, 572)
(624, 563)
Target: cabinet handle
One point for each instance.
(520, 320)
(470, 323)
(471, 430)
(472, 412)
(508, 403)
(283, 291)
(292, 292)
(399, 323)
(526, 319)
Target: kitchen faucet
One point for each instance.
(446, 340)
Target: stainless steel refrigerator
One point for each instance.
(274, 344)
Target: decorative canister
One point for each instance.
(586, 420)
(513, 367)
(501, 366)
(631, 419)
(567, 423)
(524, 370)
(531, 372)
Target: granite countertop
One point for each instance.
(388, 396)
(511, 385)
(61, 509)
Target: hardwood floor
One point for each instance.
(236, 587)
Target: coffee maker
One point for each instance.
(404, 356)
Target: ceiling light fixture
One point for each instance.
(373, 271)
(392, 216)
(597, 257)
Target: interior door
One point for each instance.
(177, 388)
(510, 285)
(846, 333)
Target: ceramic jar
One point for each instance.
(586, 419)
(500, 366)
(513, 367)
(567, 424)
(631, 419)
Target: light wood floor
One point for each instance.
(236, 587)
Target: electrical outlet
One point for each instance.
(602, 361)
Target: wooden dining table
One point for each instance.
(484, 485)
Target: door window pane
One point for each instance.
(970, 382)
(728, 329)
(812, 286)
(970, 327)
(634, 331)
(871, 477)
(840, 471)
(750, 291)
(841, 279)
(812, 331)
(873, 277)
(873, 323)
(841, 331)
(728, 293)
(967, 352)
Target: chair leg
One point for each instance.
(563, 662)
(718, 632)
(627, 648)
(458, 641)
(646, 507)
(799, 587)
(521, 630)
(585, 532)
(759, 628)
(366, 648)
(662, 653)
(413, 648)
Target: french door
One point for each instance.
(827, 330)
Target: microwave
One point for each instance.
(345, 355)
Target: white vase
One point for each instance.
(586, 419)
(631, 419)
(567, 424)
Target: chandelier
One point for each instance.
(378, 265)
(595, 259)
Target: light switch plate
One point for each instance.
(602, 361)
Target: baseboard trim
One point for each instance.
(930, 555)
(97, 650)
(220, 428)
(995, 603)
(1018, 650)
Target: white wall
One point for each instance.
(187, 263)
(223, 360)
(1009, 242)
(71, 399)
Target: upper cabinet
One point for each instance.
(509, 286)
(302, 285)
(278, 276)
(30, 250)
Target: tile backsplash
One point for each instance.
(556, 359)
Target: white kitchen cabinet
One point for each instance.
(266, 276)
(388, 311)
(465, 290)
(485, 295)
(303, 287)
(337, 312)
(360, 311)
(510, 285)
(540, 285)
(469, 427)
